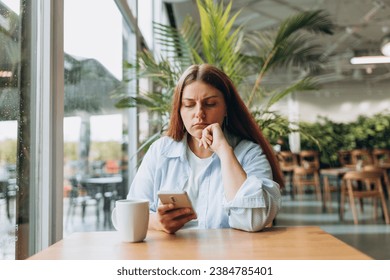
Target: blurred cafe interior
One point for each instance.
(70, 140)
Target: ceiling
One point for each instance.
(360, 26)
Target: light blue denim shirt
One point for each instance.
(165, 167)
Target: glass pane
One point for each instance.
(94, 143)
(145, 14)
(9, 109)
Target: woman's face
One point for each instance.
(201, 105)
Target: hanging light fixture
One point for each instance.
(385, 45)
(370, 59)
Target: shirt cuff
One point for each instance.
(250, 194)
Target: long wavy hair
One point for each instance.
(240, 120)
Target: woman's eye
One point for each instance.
(188, 105)
(211, 104)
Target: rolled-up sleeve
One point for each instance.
(258, 200)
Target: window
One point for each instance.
(9, 112)
(96, 42)
(58, 132)
(100, 141)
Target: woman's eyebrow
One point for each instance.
(207, 97)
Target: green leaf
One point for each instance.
(313, 21)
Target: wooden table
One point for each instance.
(338, 174)
(277, 243)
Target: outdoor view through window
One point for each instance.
(95, 161)
(9, 110)
(96, 41)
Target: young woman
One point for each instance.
(216, 152)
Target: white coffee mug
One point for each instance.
(130, 218)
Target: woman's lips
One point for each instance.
(200, 124)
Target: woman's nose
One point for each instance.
(200, 112)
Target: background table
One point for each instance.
(277, 243)
(7, 190)
(337, 174)
(108, 188)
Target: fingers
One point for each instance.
(212, 135)
(171, 226)
(172, 219)
(207, 137)
(163, 208)
(206, 141)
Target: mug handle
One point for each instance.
(113, 218)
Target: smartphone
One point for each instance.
(179, 199)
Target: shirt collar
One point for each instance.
(175, 149)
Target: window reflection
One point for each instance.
(9, 106)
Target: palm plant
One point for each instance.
(216, 42)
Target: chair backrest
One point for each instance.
(310, 158)
(300, 170)
(361, 155)
(363, 175)
(376, 168)
(380, 155)
(354, 182)
(344, 157)
(370, 179)
(287, 159)
(372, 168)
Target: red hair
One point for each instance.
(240, 121)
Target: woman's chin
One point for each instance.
(196, 133)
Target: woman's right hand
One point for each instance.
(171, 219)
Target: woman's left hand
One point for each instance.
(233, 175)
(213, 138)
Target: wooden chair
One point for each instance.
(380, 156)
(287, 161)
(385, 176)
(306, 177)
(361, 155)
(344, 157)
(310, 158)
(307, 174)
(371, 184)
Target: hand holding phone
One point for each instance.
(172, 219)
(178, 199)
